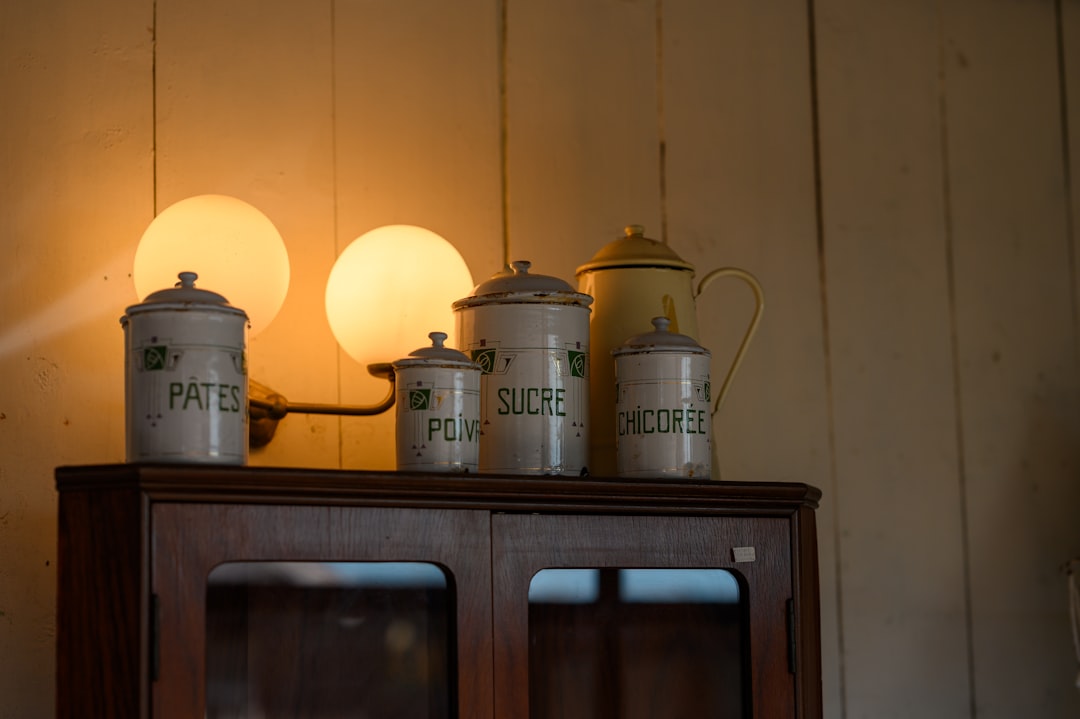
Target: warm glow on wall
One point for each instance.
(233, 247)
(390, 288)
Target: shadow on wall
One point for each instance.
(1023, 529)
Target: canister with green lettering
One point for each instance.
(438, 409)
(185, 377)
(530, 335)
(663, 421)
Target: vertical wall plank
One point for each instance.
(1069, 28)
(583, 143)
(75, 187)
(740, 178)
(417, 116)
(1016, 349)
(738, 129)
(891, 357)
(244, 108)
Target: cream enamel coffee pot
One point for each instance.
(632, 280)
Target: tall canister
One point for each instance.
(438, 409)
(185, 377)
(530, 335)
(663, 421)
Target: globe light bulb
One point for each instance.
(392, 286)
(232, 246)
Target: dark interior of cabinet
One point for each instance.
(609, 658)
(290, 649)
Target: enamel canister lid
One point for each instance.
(660, 340)
(518, 286)
(185, 295)
(436, 355)
(635, 250)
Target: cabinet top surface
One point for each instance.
(204, 483)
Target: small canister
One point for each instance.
(663, 421)
(438, 410)
(185, 377)
(530, 336)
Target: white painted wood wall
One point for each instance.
(898, 173)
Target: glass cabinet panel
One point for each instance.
(330, 639)
(628, 643)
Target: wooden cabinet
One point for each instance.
(230, 592)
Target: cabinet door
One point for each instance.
(314, 611)
(623, 650)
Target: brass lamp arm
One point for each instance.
(266, 407)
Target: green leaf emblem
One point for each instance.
(154, 357)
(486, 360)
(577, 363)
(419, 399)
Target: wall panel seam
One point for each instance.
(660, 127)
(334, 222)
(153, 106)
(954, 349)
(504, 129)
(1066, 151)
(819, 231)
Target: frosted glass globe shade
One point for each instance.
(233, 247)
(390, 288)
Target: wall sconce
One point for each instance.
(390, 286)
(233, 247)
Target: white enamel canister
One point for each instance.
(663, 419)
(185, 375)
(530, 335)
(438, 410)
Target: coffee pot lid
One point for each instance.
(634, 249)
(660, 340)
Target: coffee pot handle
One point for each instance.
(759, 301)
